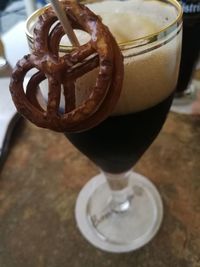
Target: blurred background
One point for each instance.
(13, 45)
(13, 11)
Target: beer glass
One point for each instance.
(120, 210)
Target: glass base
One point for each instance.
(126, 230)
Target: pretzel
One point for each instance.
(101, 51)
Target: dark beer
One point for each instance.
(116, 144)
(190, 43)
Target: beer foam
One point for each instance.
(151, 76)
(128, 20)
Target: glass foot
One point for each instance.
(119, 230)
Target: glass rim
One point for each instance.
(137, 41)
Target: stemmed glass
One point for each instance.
(120, 210)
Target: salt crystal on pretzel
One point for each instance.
(101, 51)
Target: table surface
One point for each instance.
(43, 175)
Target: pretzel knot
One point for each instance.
(62, 71)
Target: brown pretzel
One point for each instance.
(101, 51)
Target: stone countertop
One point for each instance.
(43, 175)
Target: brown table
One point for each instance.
(43, 175)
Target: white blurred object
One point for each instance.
(184, 105)
(15, 43)
(8, 117)
(7, 110)
(30, 6)
(14, 46)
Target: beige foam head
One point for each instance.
(151, 76)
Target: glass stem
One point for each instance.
(121, 192)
